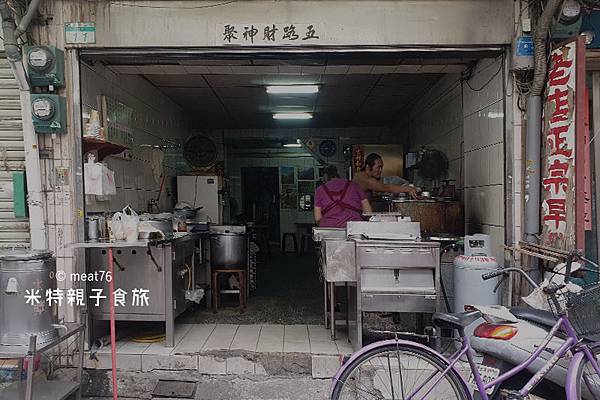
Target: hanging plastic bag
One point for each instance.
(99, 180)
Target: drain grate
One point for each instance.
(166, 388)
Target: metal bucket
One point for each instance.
(25, 275)
(228, 250)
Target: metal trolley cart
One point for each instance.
(64, 351)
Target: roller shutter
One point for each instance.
(14, 232)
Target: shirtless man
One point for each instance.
(369, 179)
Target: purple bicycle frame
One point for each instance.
(570, 384)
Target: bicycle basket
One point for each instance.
(583, 310)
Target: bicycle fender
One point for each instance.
(571, 382)
(383, 343)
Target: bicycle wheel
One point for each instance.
(396, 371)
(588, 381)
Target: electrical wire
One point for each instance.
(223, 3)
(466, 80)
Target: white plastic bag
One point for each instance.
(131, 224)
(126, 225)
(117, 228)
(99, 180)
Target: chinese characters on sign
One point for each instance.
(561, 138)
(267, 34)
(38, 299)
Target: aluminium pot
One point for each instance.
(228, 250)
(25, 275)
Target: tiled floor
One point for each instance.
(233, 349)
(203, 338)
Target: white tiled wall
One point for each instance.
(156, 118)
(466, 122)
(436, 122)
(483, 113)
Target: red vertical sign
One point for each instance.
(565, 149)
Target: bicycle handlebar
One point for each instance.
(505, 271)
(493, 274)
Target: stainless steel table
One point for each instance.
(331, 270)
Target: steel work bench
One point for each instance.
(37, 389)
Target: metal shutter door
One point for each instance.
(14, 232)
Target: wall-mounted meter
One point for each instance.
(568, 23)
(45, 66)
(49, 113)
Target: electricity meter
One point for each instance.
(570, 12)
(45, 66)
(40, 59)
(49, 113)
(43, 108)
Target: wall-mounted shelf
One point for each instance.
(103, 147)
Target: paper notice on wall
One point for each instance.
(6, 190)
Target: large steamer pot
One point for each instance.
(229, 250)
(23, 273)
(434, 216)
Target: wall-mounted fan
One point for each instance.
(200, 152)
(327, 148)
(433, 164)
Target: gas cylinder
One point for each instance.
(469, 287)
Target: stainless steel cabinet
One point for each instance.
(166, 270)
(394, 276)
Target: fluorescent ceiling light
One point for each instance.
(292, 145)
(293, 89)
(294, 115)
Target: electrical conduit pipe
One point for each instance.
(534, 123)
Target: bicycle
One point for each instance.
(405, 370)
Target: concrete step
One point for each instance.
(224, 363)
(141, 385)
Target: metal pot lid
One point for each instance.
(227, 233)
(24, 254)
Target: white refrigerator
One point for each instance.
(202, 191)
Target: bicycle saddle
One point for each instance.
(540, 317)
(455, 320)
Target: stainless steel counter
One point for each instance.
(165, 269)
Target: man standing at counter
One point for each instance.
(369, 179)
(338, 201)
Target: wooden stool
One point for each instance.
(304, 242)
(216, 292)
(294, 241)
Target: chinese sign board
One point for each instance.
(261, 34)
(565, 150)
(80, 33)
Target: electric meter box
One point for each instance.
(49, 113)
(45, 66)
